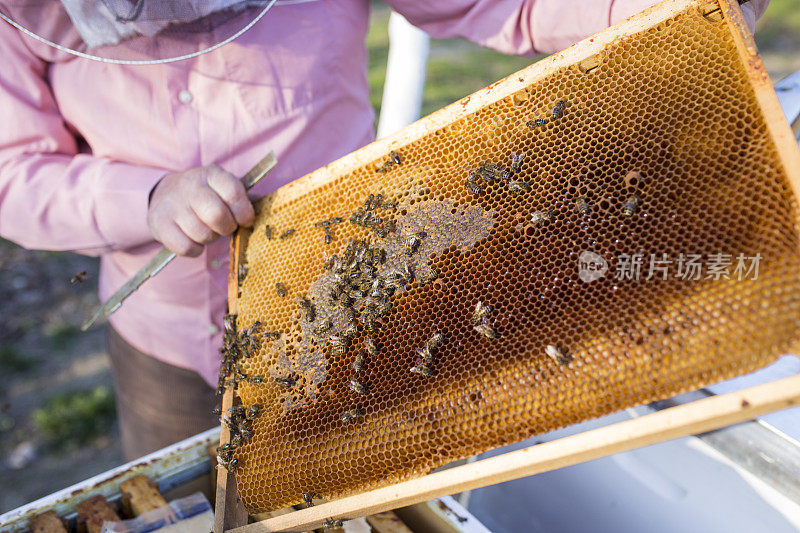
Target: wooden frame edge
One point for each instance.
(689, 419)
(507, 87)
(229, 512)
(777, 126)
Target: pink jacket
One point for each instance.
(295, 83)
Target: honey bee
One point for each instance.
(280, 289)
(557, 355)
(430, 276)
(516, 162)
(242, 273)
(423, 370)
(330, 262)
(285, 382)
(332, 524)
(308, 307)
(253, 411)
(412, 243)
(540, 218)
(395, 157)
(308, 498)
(386, 167)
(490, 171)
(230, 323)
(288, 233)
(349, 314)
(369, 203)
(268, 232)
(245, 434)
(356, 387)
(486, 330)
(338, 349)
(394, 280)
(436, 340)
(481, 311)
(582, 205)
(408, 273)
(558, 110)
(518, 186)
(370, 346)
(425, 355)
(78, 278)
(473, 187)
(536, 123)
(350, 331)
(323, 327)
(231, 466)
(352, 415)
(271, 335)
(358, 363)
(255, 380)
(631, 205)
(328, 235)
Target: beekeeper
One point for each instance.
(110, 146)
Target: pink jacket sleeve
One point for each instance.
(52, 197)
(521, 27)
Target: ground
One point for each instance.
(43, 355)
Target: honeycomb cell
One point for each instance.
(661, 151)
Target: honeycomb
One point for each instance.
(443, 299)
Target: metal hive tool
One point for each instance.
(668, 141)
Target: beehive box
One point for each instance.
(550, 228)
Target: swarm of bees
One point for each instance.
(481, 318)
(327, 225)
(394, 159)
(491, 172)
(365, 215)
(427, 356)
(561, 357)
(240, 423)
(237, 345)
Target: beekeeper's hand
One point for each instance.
(193, 208)
(752, 11)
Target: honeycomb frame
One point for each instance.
(695, 336)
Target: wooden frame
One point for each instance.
(700, 416)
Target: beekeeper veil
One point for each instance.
(134, 31)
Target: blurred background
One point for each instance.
(57, 419)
